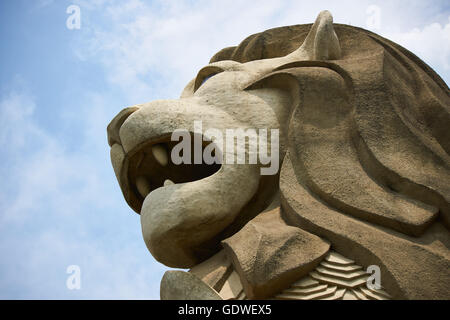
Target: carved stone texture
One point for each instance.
(269, 255)
(336, 278)
(214, 271)
(180, 285)
(411, 268)
(364, 146)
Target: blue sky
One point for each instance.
(60, 204)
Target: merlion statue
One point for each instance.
(364, 171)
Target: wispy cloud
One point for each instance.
(431, 43)
(152, 50)
(59, 201)
(59, 207)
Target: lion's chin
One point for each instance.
(178, 220)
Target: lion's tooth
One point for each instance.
(143, 186)
(160, 154)
(168, 182)
(117, 158)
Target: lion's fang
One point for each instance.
(143, 186)
(168, 182)
(160, 154)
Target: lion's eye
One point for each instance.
(205, 74)
(207, 78)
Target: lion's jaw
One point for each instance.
(178, 219)
(181, 221)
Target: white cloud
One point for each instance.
(17, 107)
(44, 3)
(431, 43)
(42, 169)
(151, 51)
(60, 205)
(146, 54)
(59, 202)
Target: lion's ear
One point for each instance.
(283, 80)
(285, 83)
(322, 42)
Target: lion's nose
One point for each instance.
(116, 123)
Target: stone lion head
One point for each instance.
(364, 146)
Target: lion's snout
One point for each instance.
(115, 124)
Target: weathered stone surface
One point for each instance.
(306, 291)
(269, 255)
(180, 285)
(214, 271)
(333, 272)
(338, 260)
(368, 244)
(116, 123)
(305, 283)
(364, 148)
(232, 287)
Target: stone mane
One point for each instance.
(364, 179)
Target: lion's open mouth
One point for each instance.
(151, 167)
